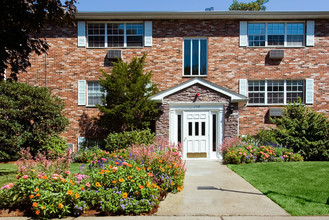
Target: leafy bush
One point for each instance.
(228, 143)
(115, 141)
(29, 115)
(90, 154)
(305, 130)
(54, 146)
(248, 153)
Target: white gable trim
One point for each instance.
(235, 97)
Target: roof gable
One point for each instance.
(235, 97)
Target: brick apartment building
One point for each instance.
(220, 74)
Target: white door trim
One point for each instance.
(211, 108)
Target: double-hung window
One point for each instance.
(272, 92)
(282, 34)
(94, 93)
(115, 35)
(195, 57)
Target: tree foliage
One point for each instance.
(127, 105)
(257, 5)
(21, 22)
(305, 130)
(29, 116)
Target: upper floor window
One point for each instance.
(115, 34)
(276, 34)
(275, 91)
(195, 57)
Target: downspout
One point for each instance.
(46, 70)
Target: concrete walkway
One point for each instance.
(211, 189)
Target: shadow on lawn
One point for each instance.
(4, 173)
(269, 193)
(227, 190)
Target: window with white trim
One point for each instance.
(195, 57)
(115, 34)
(291, 34)
(94, 93)
(272, 92)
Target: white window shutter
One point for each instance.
(82, 92)
(81, 34)
(243, 33)
(148, 34)
(243, 85)
(309, 93)
(310, 33)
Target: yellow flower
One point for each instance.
(124, 195)
(69, 192)
(97, 184)
(121, 180)
(60, 205)
(76, 195)
(148, 185)
(43, 207)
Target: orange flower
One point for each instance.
(64, 181)
(124, 195)
(148, 168)
(172, 183)
(139, 169)
(36, 190)
(148, 185)
(76, 195)
(37, 194)
(71, 182)
(35, 204)
(114, 181)
(37, 212)
(162, 170)
(141, 187)
(121, 180)
(82, 188)
(106, 171)
(44, 177)
(113, 171)
(136, 193)
(144, 168)
(149, 174)
(69, 192)
(129, 165)
(110, 167)
(133, 181)
(43, 207)
(60, 205)
(160, 161)
(97, 184)
(31, 196)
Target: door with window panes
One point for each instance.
(196, 133)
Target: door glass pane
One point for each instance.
(196, 128)
(179, 128)
(214, 132)
(190, 129)
(203, 128)
(195, 57)
(187, 57)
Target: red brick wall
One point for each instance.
(227, 63)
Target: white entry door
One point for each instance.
(196, 133)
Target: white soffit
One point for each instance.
(235, 97)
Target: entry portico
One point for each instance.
(198, 114)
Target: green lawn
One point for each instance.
(8, 172)
(301, 188)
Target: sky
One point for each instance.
(195, 5)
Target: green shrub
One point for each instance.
(54, 147)
(303, 129)
(115, 141)
(29, 115)
(90, 154)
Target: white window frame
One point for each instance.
(87, 95)
(284, 93)
(125, 33)
(285, 34)
(196, 38)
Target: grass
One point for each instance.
(301, 188)
(8, 172)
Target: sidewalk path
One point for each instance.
(212, 189)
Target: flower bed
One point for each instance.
(248, 153)
(131, 181)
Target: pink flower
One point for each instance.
(114, 168)
(103, 159)
(25, 177)
(40, 176)
(240, 153)
(125, 163)
(88, 184)
(68, 172)
(17, 177)
(244, 154)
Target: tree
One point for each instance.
(257, 5)
(127, 105)
(303, 129)
(21, 22)
(29, 117)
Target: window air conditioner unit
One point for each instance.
(113, 54)
(276, 112)
(276, 54)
